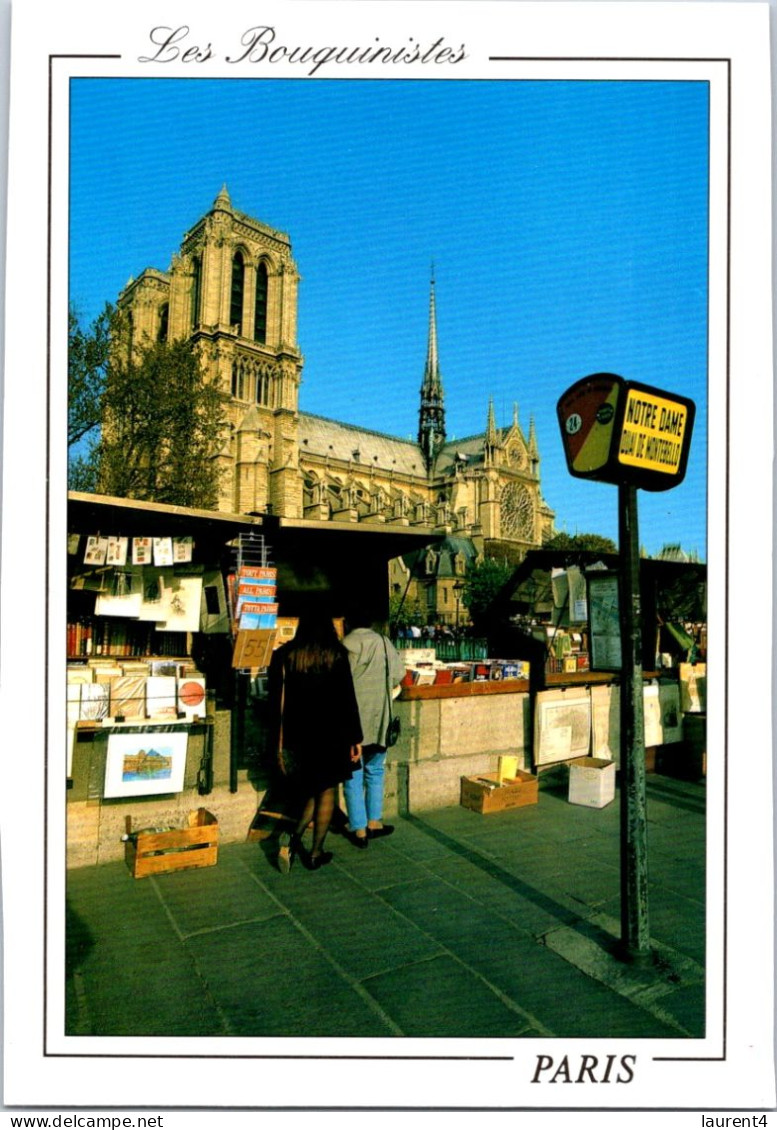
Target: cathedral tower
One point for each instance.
(232, 289)
(431, 420)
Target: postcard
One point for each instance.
(402, 295)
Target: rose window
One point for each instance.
(517, 511)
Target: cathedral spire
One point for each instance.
(222, 200)
(491, 435)
(431, 420)
(533, 449)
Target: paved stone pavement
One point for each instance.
(457, 925)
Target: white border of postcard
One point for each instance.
(726, 44)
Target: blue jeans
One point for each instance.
(364, 791)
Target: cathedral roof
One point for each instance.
(470, 446)
(445, 553)
(321, 436)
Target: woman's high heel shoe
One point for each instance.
(289, 846)
(316, 862)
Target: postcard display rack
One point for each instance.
(253, 610)
(253, 601)
(135, 604)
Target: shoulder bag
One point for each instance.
(394, 726)
(286, 759)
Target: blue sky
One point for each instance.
(567, 222)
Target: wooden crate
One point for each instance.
(154, 853)
(514, 792)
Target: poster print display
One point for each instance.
(555, 268)
(145, 764)
(562, 726)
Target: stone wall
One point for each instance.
(444, 739)
(441, 741)
(95, 825)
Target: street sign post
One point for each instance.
(635, 437)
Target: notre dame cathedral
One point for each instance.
(232, 288)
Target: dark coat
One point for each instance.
(320, 719)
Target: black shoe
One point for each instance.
(357, 841)
(315, 862)
(376, 833)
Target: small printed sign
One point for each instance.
(653, 432)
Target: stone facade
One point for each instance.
(232, 288)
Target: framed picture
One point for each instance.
(145, 764)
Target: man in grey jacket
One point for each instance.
(377, 670)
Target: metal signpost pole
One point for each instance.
(634, 436)
(635, 930)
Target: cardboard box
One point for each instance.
(591, 782)
(484, 794)
(154, 853)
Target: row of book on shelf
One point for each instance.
(435, 673)
(135, 691)
(122, 638)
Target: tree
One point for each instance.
(144, 420)
(163, 425)
(404, 612)
(594, 543)
(88, 358)
(484, 581)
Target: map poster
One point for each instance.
(605, 625)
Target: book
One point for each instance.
(73, 703)
(95, 698)
(425, 676)
(80, 674)
(508, 767)
(258, 572)
(248, 588)
(191, 697)
(443, 676)
(106, 673)
(128, 696)
(161, 696)
(258, 616)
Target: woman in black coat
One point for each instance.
(318, 729)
